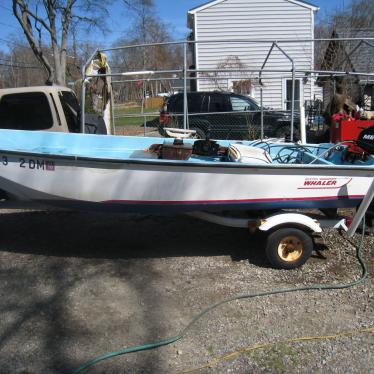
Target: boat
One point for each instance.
(158, 175)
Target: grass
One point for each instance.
(211, 350)
(134, 121)
(279, 358)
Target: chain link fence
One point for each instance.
(213, 114)
(218, 101)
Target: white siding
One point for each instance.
(256, 19)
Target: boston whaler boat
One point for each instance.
(132, 174)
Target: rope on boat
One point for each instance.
(183, 332)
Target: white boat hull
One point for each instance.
(151, 186)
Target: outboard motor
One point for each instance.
(366, 140)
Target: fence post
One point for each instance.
(262, 113)
(112, 111)
(83, 105)
(143, 103)
(302, 123)
(185, 106)
(293, 102)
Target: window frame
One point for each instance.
(284, 93)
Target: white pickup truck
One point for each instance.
(47, 108)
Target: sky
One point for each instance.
(173, 13)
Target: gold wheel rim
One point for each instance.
(290, 248)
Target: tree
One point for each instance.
(349, 22)
(356, 20)
(239, 82)
(19, 67)
(54, 17)
(146, 27)
(359, 14)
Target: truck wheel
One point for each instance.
(288, 248)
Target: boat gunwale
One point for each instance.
(207, 164)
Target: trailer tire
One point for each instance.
(288, 248)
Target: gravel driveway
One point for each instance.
(75, 285)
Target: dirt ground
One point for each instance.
(133, 130)
(76, 285)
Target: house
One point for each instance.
(354, 55)
(254, 19)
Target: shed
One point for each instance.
(254, 19)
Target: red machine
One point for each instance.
(346, 128)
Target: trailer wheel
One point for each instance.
(288, 248)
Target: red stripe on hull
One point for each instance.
(153, 202)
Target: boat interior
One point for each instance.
(259, 152)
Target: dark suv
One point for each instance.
(225, 115)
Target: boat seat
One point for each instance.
(180, 133)
(248, 154)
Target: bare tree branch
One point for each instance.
(24, 8)
(56, 19)
(24, 21)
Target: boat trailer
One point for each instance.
(289, 235)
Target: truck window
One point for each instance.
(25, 111)
(176, 104)
(218, 103)
(240, 104)
(71, 109)
(194, 102)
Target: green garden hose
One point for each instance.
(183, 332)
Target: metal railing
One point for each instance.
(187, 74)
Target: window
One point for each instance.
(25, 111)
(217, 103)
(289, 94)
(205, 104)
(175, 104)
(368, 99)
(239, 104)
(194, 103)
(71, 110)
(243, 87)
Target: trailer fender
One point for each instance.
(290, 219)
